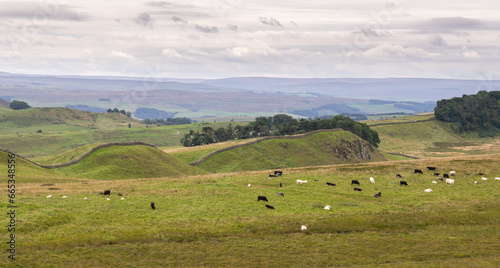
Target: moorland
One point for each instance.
(208, 214)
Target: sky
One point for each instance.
(235, 38)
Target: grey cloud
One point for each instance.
(451, 24)
(144, 19)
(179, 19)
(436, 40)
(232, 27)
(206, 29)
(159, 4)
(270, 21)
(40, 11)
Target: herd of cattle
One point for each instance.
(445, 177)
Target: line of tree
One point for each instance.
(115, 110)
(478, 113)
(279, 125)
(168, 121)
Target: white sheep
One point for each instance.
(299, 181)
(249, 185)
(123, 198)
(434, 182)
(484, 179)
(497, 178)
(303, 228)
(85, 198)
(328, 207)
(372, 180)
(64, 197)
(450, 181)
(49, 196)
(475, 182)
(108, 199)
(428, 190)
(452, 173)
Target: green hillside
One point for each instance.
(323, 148)
(127, 162)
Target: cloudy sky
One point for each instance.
(226, 38)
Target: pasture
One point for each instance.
(215, 220)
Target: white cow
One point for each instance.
(434, 182)
(428, 190)
(49, 196)
(484, 179)
(450, 181)
(497, 178)
(303, 228)
(372, 180)
(328, 207)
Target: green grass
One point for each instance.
(323, 148)
(215, 220)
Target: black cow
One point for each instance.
(269, 207)
(355, 182)
(398, 176)
(379, 194)
(358, 189)
(440, 179)
(401, 183)
(436, 174)
(331, 184)
(446, 176)
(270, 175)
(261, 197)
(480, 174)
(418, 171)
(152, 205)
(281, 184)
(431, 168)
(107, 192)
(278, 172)
(281, 194)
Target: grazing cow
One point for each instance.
(270, 175)
(64, 197)
(446, 176)
(450, 181)
(281, 194)
(418, 171)
(303, 228)
(123, 198)
(436, 174)
(278, 172)
(331, 184)
(269, 207)
(328, 207)
(261, 197)
(355, 182)
(108, 198)
(398, 176)
(480, 174)
(301, 181)
(434, 182)
(107, 192)
(85, 198)
(49, 196)
(249, 185)
(440, 179)
(379, 194)
(428, 190)
(358, 189)
(372, 180)
(484, 179)
(281, 184)
(431, 168)
(497, 178)
(153, 205)
(452, 173)
(401, 183)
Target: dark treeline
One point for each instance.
(478, 113)
(168, 121)
(115, 110)
(279, 125)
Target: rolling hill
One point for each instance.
(128, 162)
(312, 149)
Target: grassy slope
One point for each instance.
(215, 220)
(126, 162)
(313, 150)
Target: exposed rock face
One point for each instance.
(353, 151)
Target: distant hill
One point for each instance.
(4, 103)
(313, 149)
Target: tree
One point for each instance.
(19, 105)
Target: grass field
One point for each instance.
(215, 220)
